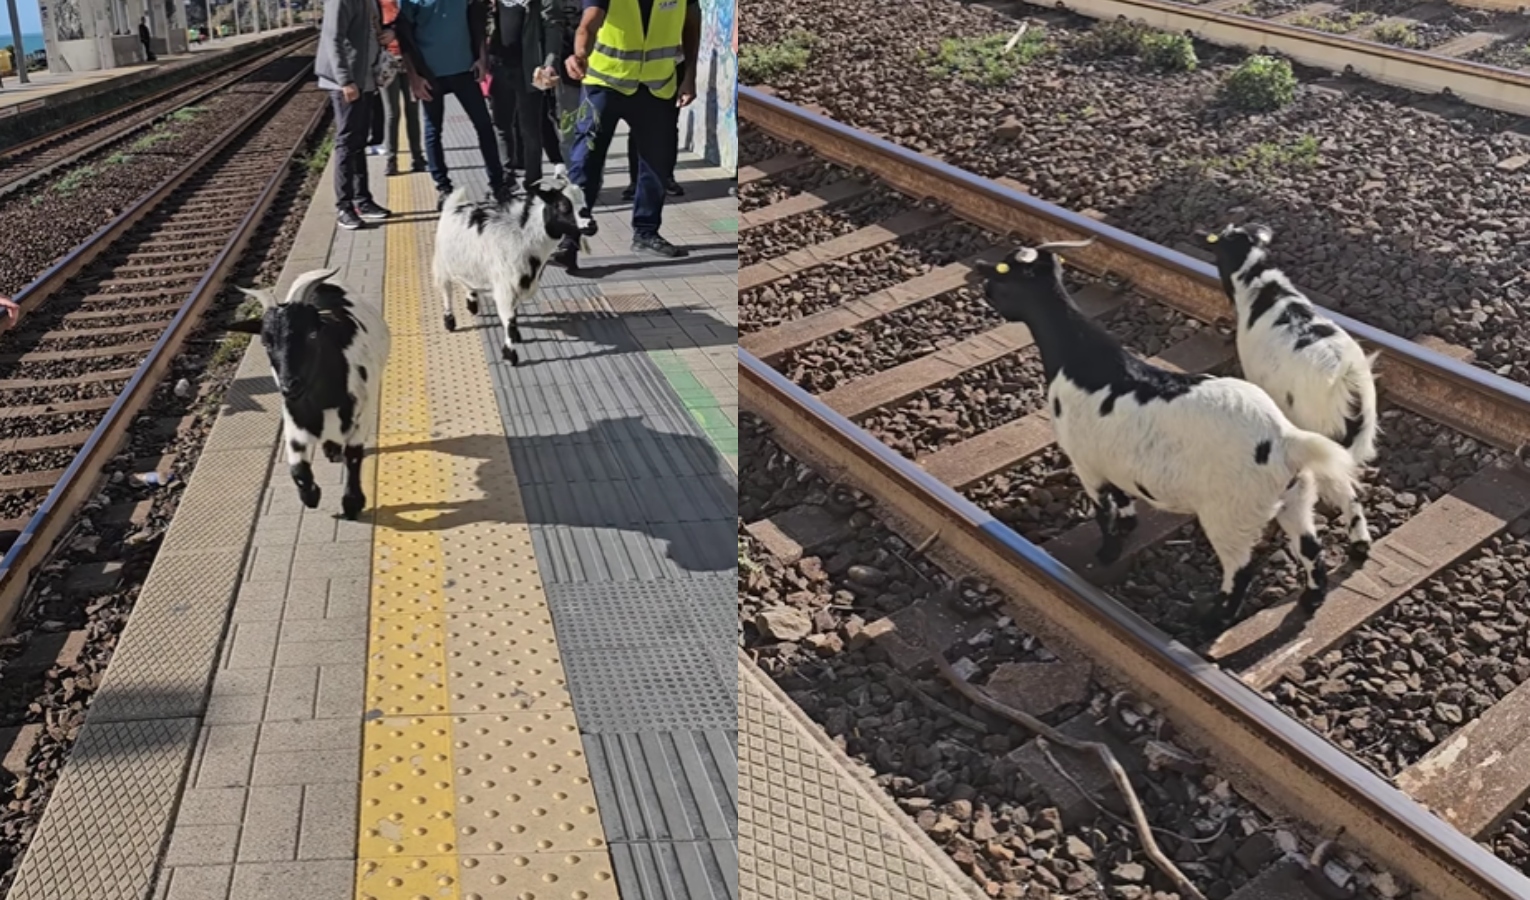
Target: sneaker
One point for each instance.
(567, 256)
(417, 165)
(674, 189)
(629, 193)
(370, 211)
(441, 198)
(390, 169)
(348, 220)
(654, 245)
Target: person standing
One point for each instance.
(350, 39)
(625, 53)
(671, 185)
(397, 94)
(143, 37)
(536, 36)
(444, 46)
(504, 95)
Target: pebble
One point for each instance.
(784, 623)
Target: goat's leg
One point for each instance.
(504, 304)
(1114, 513)
(300, 449)
(472, 302)
(444, 286)
(1235, 551)
(1297, 520)
(354, 500)
(1344, 496)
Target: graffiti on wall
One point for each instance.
(66, 18)
(713, 126)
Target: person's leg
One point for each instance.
(366, 207)
(630, 191)
(552, 114)
(470, 96)
(412, 128)
(533, 106)
(435, 157)
(502, 111)
(593, 128)
(671, 185)
(392, 97)
(649, 120)
(349, 147)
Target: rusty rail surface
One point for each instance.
(77, 484)
(1265, 753)
(283, 44)
(1471, 400)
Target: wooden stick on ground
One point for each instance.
(1144, 831)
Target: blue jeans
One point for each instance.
(652, 125)
(466, 90)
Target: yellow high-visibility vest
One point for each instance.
(624, 56)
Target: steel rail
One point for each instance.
(65, 131)
(253, 63)
(1266, 753)
(77, 484)
(1483, 85)
(1468, 399)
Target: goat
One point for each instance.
(1216, 448)
(501, 248)
(1314, 370)
(327, 352)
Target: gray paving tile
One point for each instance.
(199, 882)
(677, 870)
(648, 688)
(329, 821)
(678, 785)
(271, 819)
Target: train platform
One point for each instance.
(517, 675)
(50, 88)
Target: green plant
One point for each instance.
(745, 564)
(148, 141)
(1266, 157)
(763, 63)
(1398, 34)
(72, 181)
(984, 61)
(231, 348)
(118, 158)
(1334, 23)
(1169, 52)
(1116, 38)
(318, 158)
(185, 114)
(1260, 84)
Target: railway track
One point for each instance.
(25, 163)
(1351, 39)
(102, 325)
(856, 289)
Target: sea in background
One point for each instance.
(29, 42)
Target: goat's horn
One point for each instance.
(1065, 245)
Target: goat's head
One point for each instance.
(566, 214)
(1238, 248)
(292, 330)
(1022, 283)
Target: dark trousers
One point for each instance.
(505, 98)
(651, 126)
(397, 94)
(375, 119)
(352, 122)
(674, 145)
(466, 90)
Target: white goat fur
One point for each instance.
(499, 257)
(1317, 383)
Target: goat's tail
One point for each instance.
(1333, 467)
(1361, 384)
(458, 197)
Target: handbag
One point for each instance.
(387, 68)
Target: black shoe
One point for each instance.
(504, 193)
(674, 189)
(629, 193)
(654, 245)
(441, 198)
(567, 256)
(348, 220)
(417, 165)
(370, 211)
(390, 168)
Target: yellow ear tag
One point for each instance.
(1061, 261)
(1211, 239)
(1002, 268)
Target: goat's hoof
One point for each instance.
(1109, 552)
(515, 334)
(510, 355)
(310, 496)
(472, 305)
(1311, 599)
(333, 451)
(451, 320)
(351, 505)
(1126, 524)
(1360, 550)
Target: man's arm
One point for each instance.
(584, 39)
(478, 34)
(690, 45)
(403, 29)
(336, 22)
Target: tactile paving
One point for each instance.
(504, 660)
(649, 688)
(809, 828)
(694, 870)
(105, 823)
(666, 786)
(701, 612)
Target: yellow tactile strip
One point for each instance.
(474, 781)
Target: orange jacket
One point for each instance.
(389, 16)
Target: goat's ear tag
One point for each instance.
(1002, 268)
(1211, 239)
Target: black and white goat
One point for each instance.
(1315, 371)
(327, 351)
(501, 248)
(1215, 448)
